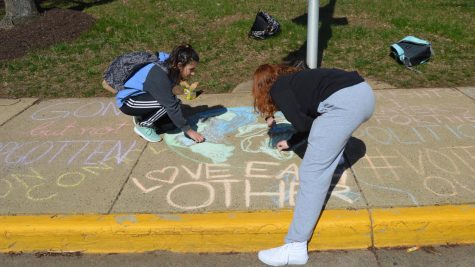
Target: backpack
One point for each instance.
(126, 65)
(264, 26)
(412, 51)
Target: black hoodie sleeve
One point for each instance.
(287, 103)
(160, 87)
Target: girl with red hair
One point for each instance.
(325, 106)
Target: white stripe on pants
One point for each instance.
(341, 114)
(156, 110)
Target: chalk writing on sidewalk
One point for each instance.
(420, 94)
(67, 128)
(416, 135)
(42, 186)
(401, 124)
(238, 165)
(80, 152)
(213, 179)
(207, 177)
(75, 109)
(59, 147)
(439, 170)
(402, 117)
(5, 187)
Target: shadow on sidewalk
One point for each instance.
(164, 124)
(203, 113)
(355, 149)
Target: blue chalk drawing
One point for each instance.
(220, 126)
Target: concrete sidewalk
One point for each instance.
(75, 177)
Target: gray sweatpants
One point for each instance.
(341, 114)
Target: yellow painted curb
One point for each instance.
(433, 225)
(235, 231)
(212, 232)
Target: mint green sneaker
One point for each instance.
(148, 134)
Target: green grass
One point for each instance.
(218, 30)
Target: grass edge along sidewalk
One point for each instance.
(235, 231)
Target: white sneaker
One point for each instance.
(293, 253)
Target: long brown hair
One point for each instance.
(182, 54)
(264, 77)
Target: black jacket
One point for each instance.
(298, 95)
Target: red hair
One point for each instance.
(264, 77)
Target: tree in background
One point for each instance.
(17, 12)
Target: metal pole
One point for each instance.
(312, 33)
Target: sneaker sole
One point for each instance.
(145, 138)
(135, 122)
(275, 263)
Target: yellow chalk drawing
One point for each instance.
(155, 152)
(22, 182)
(39, 187)
(4, 195)
(63, 176)
(28, 194)
(31, 189)
(102, 166)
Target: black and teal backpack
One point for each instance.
(412, 51)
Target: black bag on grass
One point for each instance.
(412, 51)
(264, 26)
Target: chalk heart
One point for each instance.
(162, 175)
(143, 188)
